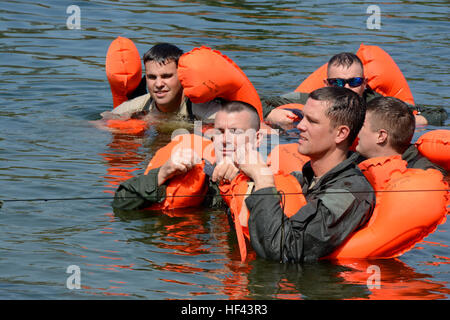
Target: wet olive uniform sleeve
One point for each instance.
(271, 102)
(331, 214)
(139, 192)
(142, 191)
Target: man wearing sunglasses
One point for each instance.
(344, 70)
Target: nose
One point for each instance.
(159, 82)
(227, 137)
(301, 125)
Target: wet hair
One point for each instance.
(239, 106)
(345, 108)
(346, 59)
(163, 53)
(394, 116)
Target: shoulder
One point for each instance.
(296, 97)
(205, 111)
(416, 160)
(351, 178)
(134, 105)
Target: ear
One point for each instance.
(259, 138)
(364, 84)
(342, 133)
(382, 136)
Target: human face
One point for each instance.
(367, 139)
(317, 137)
(355, 70)
(232, 130)
(163, 85)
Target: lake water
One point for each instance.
(64, 170)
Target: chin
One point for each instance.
(303, 151)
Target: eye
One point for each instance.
(236, 131)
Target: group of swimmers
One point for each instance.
(332, 118)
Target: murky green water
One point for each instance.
(53, 84)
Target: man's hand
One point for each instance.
(225, 170)
(250, 162)
(180, 162)
(282, 117)
(420, 120)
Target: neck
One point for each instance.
(384, 151)
(322, 165)
(173, 106)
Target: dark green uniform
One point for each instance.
(416, 160)
(142, 191)
(337, 205)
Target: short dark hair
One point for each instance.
(345, 59)
(345, 108)
(163, 53)
(394, 116)
(239, 106)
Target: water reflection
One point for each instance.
(123, 158)
(346, 280)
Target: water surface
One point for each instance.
(53, 85)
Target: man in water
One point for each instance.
(235, 124)
(339, 198)
(344, 70)
(388, 130)
(165, 93)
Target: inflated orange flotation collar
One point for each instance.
(410, 204)
(237, 191)
(435, 145)
(123, 69)
(185, 190)
(383, 75)
(283, 160)
(129, 126)
(206, 74)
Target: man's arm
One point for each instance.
(315, 231)
(139, 192)
(281, 117)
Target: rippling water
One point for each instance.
(53, 84)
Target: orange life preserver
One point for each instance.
(285, 158)
(185, 190)
(129, 126)
(435, 145)
(383, 75)
(410, 204)
(206, 74)
(123, 69)
(235, 193)
(399, 219)
(282, 160)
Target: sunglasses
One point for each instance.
(352, 82)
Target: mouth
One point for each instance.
(302, 139)
(160, 94)
(227, 151)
